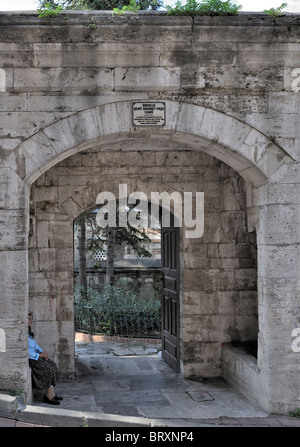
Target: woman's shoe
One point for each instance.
(50, 401)
(56, 397)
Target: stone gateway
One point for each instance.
(162, 104)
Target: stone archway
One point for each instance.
(246, 150)
(254, 156)
(56, 203)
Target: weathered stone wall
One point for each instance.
(231, 90)
(241, 66)
(219, 292)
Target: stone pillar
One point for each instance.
(279, 295)
(51, 277)
(13, 281)
(64, 273)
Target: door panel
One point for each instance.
(170, 304)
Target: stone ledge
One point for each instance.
(241, 371)
(8, 405)
(88, 338)
(70, 418)
(243, 18)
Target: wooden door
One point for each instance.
(170, 299)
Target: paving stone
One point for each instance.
(135, 398)
(162, 397)
(129, 410)
(200, 396)
(7, 422)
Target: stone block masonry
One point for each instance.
(76, 67)
(231, 91)
(215, 264)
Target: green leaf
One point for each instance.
(205, 7)
(275, 12)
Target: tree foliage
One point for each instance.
(109, 237)
(99, 5)
(204, 7)
(129, 235)
(275, 12)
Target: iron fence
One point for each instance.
(127, 320)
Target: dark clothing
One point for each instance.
(44, 373)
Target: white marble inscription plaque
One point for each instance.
(149, 113)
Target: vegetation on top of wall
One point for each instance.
(205, 7)
(100, 5)
(275, 12)
(48, 9)
(132, 7)
(215, 7)
(51, 8)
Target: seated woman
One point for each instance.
(44, 370)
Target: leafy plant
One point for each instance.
(205, 7)
(132, 7)
(109, 4)
(16, 392)
(49, 9)
(121, 309)
(92, 24)
(84, 423)
(295, 413)
(275, 12)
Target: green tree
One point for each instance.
(101, 4)
(204, 7)
(111, 237)
(81, 226)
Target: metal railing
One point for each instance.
(126, 320)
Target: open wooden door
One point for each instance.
(170, 299)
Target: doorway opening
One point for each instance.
(117, 280)
(218, 296)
